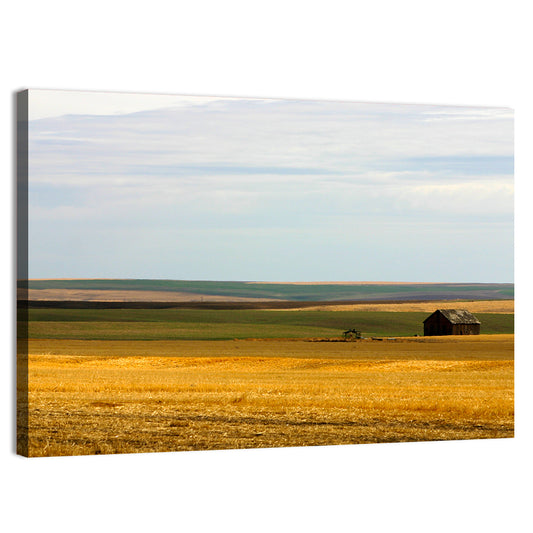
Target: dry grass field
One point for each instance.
(88, 295)
(92, 397)
(475, 306)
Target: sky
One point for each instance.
(216, 188)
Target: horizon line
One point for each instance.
(316, 282)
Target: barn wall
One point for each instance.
(437, 325)
(466, 329)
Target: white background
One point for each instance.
(454, 52)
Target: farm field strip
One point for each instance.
(169, 330)
(115, 398)
(474, 306)
(478, 347)
(87, 295)
(287, 291)
(208, 324)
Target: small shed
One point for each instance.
(451, 322)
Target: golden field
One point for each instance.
(477, 306)
(90, 397)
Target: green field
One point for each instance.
(282, 291)
(206, 324)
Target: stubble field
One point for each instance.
(121, 396)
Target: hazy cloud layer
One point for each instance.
(272, 190)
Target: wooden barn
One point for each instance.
(451, 322)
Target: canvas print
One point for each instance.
(207, 273)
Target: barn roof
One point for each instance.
(458, 316)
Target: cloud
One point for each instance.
(469, 114)
(256, 166)
(471, 199)
(52, 103)
(269, 134)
